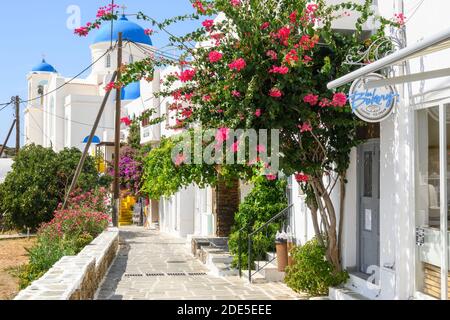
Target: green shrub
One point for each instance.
(266, 199)
(311, 272)
(37, 184)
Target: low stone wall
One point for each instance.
(76, 277)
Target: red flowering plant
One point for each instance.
(266, 67)
(70, 230)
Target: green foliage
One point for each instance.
(66, 235)
(37, 184)
(134, 135)
(266, 199)
(311, 272)
(163, 175)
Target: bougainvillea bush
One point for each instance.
(265, 65)
(67, 233)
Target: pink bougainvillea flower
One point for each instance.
(280, 70)
(180, 159)
(272, 54)
(260, 148)
(235, 3)
(208, 24)
(238, 64)
(219, 111)
(324, 103)
(187, 75)
(82, 31)
(186, 113)
(206, 98)
(126, 121)
(306, 127)
(110, 86)
(235, 146)
(258, 113)
(275, 93)
(400, 18)
(339, 99)
(283, 35)
(265, 25)
(236, 93)
(307, 59)
(293, 17)
(271, 177)
(148, 32)
(222, 135)
(301, 177)
(215, 56)
(312, 99)
(176, 95)
(188, 96)
(291, 57)
(199, 6)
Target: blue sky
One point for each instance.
(30, 29)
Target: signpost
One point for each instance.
(372, 105)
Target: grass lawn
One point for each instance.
(12, 256)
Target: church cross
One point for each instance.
(123, 9)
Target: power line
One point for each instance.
(5, 105)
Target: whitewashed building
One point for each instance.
(61, 110)
(395, 235)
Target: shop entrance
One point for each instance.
(369, 206)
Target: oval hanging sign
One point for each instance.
(372, 105)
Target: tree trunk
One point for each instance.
(341, 213)
(227, 198)
(326, 208)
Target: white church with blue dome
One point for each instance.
(62, 118)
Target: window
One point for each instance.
(108, 61)
(146, 122)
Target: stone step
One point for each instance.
(270, 272)
(257, 278)
(271, 256)
(223, 270)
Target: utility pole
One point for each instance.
(17, 102)
(7, 138)
(116, 202)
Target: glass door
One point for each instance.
(432, 196)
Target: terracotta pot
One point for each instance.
(282, 255)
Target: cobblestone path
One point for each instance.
(155, 266)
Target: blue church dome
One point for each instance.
(43, 67)
(130, 30)
(131, 91)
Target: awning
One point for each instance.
(435, 43)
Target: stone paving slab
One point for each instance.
(146, 268)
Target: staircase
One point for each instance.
(213, 252)
(266, 271)
(126, 211)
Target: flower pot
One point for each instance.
(282, 255)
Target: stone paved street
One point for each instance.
(156, 266)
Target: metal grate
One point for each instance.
(155, 274)
(169, 274)
(176, 274)
(197, 273)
